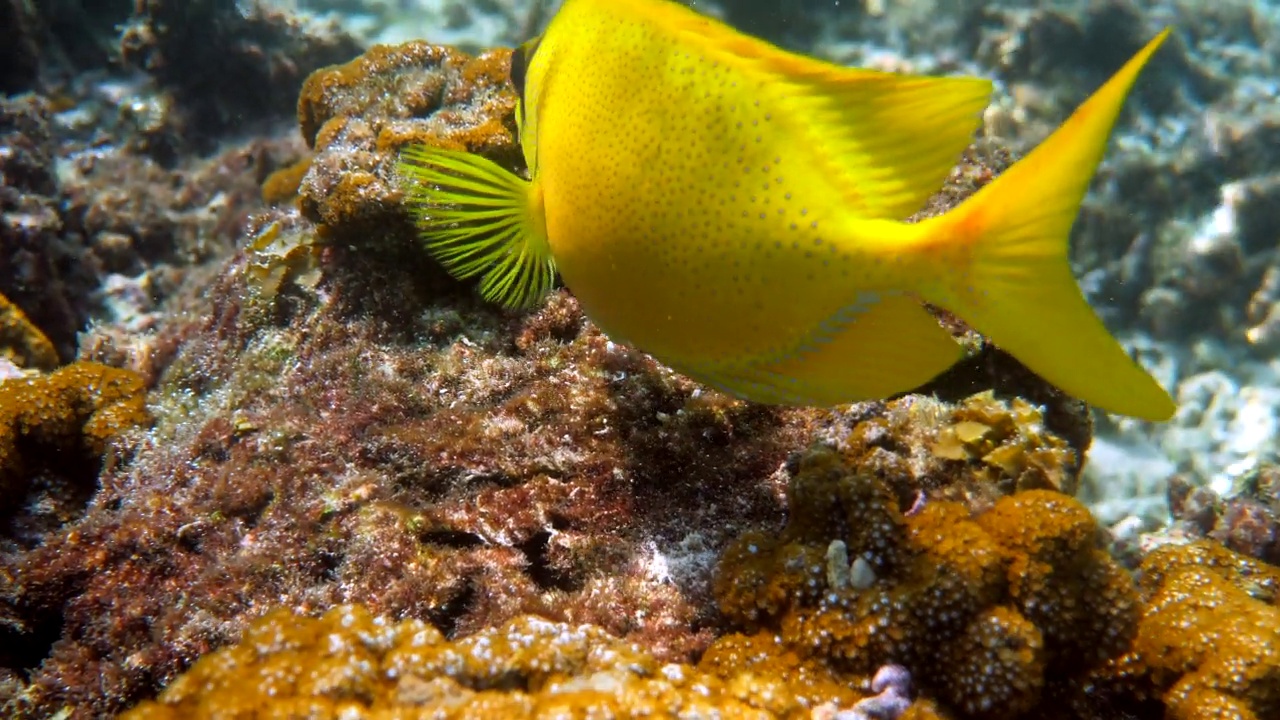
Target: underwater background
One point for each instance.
(245, 417)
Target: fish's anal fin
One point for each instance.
(479, 219)
(884, 344)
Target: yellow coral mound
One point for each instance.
(1210, 634)
(21, 342)
(78, 408)
(349, 664)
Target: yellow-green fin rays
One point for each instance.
(478, 219)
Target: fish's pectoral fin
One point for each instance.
(893, 138)
(479, 219)
(879, 346)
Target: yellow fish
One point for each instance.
(735, 210)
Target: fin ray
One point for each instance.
(892, 138)
(476, 219)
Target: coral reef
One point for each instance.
(357, 116)
(1209, 637)
(996, 616)
(227, 62)
(39, 268)
(347, 662)
(1247, 521)
(48, 40)
(113, 233)
(452, 464)
(21, 343)
(338, 421)
(63, 422)
(57, 432)
(973, 451)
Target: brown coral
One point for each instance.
(357, 116)
(993, 614)
(973, 451)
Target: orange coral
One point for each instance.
(78, 408)
(992, 614)
(22, 342)
(348, 663)
(1209, 638)
(282, 185)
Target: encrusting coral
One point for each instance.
(994, 615)
(21, 342)
(1208, 642)
(350, 664)
(358, 115)
(75, 410)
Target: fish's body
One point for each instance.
(735, 210)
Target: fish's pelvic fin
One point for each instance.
(479, 219)
(1006, 248)
(881, 345)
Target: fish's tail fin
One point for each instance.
(480, 220)
(1012, 281)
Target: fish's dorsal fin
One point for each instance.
(881, 345)
(890, 139)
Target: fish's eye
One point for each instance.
(520, 59)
